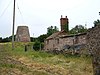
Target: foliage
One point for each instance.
(78, 29)
(33, 39)
(0, 39)
(41, 38)
(7, 39)
(66, 28)
(96, 22)
(36, 45)
(38, 42)
(51, 30)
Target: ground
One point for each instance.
(19, 62)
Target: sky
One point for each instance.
(38, 15)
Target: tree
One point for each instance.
(96, 22)
(5, 39)
(78, 29)
(36, 45)
(0, 39)
(51, 30)
(41, 38)
(33, 39)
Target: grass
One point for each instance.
(41, 63)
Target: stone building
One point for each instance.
(22, 34)
(50, 42)
(59, 41)
(62, 40)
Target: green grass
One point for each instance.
(41, 63)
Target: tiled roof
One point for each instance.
(56, 34)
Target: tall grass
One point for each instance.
(42, 63)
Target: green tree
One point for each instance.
(78, 29)
(5, 39)
(33, 39)
(96, 22)
(36, 45)
(51, 30)
(41, 38)
(10, 38)
(0, 39)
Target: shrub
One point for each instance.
(36, 45)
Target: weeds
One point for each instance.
(41, 63)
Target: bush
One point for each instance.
(36, 45)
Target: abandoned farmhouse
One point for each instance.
(63, 40)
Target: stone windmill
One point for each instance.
(22, 34)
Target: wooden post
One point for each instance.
(13, 26)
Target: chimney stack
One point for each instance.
(64, 23)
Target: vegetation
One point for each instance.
(41, 38)
(37, 46)
(96, 22)
(66, 27)
(39, 41)
(19, 62)
(78, 29)
(51, 30)
(7, 39)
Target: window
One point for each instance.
(47, 41)
(57, 41)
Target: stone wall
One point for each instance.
(93, 45)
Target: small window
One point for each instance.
(57, 41)
(47, 41)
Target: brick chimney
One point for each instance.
(64, 23)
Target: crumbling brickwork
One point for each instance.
(22, 34)
(93, 45)
(64, 23)
(63, 42)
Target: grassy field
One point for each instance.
(19, 62)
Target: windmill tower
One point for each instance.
(22, 34)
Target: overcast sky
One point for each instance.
(38, 15)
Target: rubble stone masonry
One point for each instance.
(93, 45)
(22, 34)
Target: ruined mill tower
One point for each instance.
(64, 23)
(22, 34)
